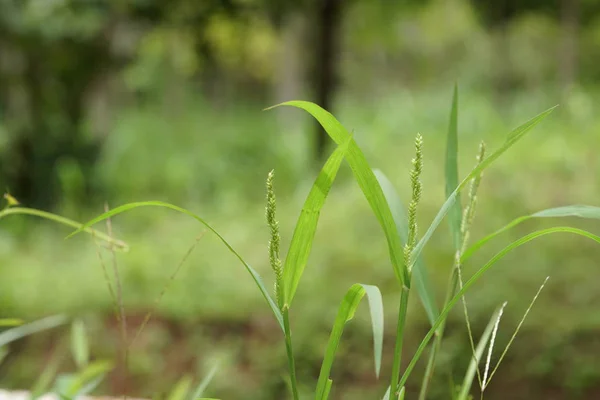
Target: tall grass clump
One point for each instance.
(405, 247)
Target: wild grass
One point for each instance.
(405, 249)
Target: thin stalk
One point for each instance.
(402, 310)
(439, 334)
(290, 352)
(456, 279)
(119, 294)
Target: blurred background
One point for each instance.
(119, 101)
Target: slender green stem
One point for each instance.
(439, 334)
(290, 352)
(399, 338)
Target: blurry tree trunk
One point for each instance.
(289, 73)
(328, 24)
(569, 53)
(503, 11)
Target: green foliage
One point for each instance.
(387, 207)
(346, 313)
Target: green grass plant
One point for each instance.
(405, 249)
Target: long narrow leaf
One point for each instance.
(581, 211)
(43, 324)
(304, 232)
(476, 358)
(512, 138)
(366, 181)
(119, 244)
(346, 313)
(455, 213)
(477, 275)
(420, 276)
(252, 271)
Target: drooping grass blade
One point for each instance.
(346, 313)
(581, 211)
(252, 271)
(119, 244)
(366, 181)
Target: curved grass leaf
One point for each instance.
(43, 324)
(581, 211)
(346, 313)
(366, 181)
(420, 276)
(451, 173)
(512, 138)
(476, 276)
(252, 271)
(474, 364)
(119, 245)
(304, 232)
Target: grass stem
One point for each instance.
(402, 311)
(290, 353)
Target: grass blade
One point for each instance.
(477, 275)
(79, 344)
(474, 364)
(304, 232)
(252, 271)
(451, 173)
(181, 389)
(514, 335)
(346, 313)
(43, 324)
(204, 383)
(491, 348)
(120, 245)
(511, 139)
(581, 211)
(365, 179)
(420, 276)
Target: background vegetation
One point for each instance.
(120, 101)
